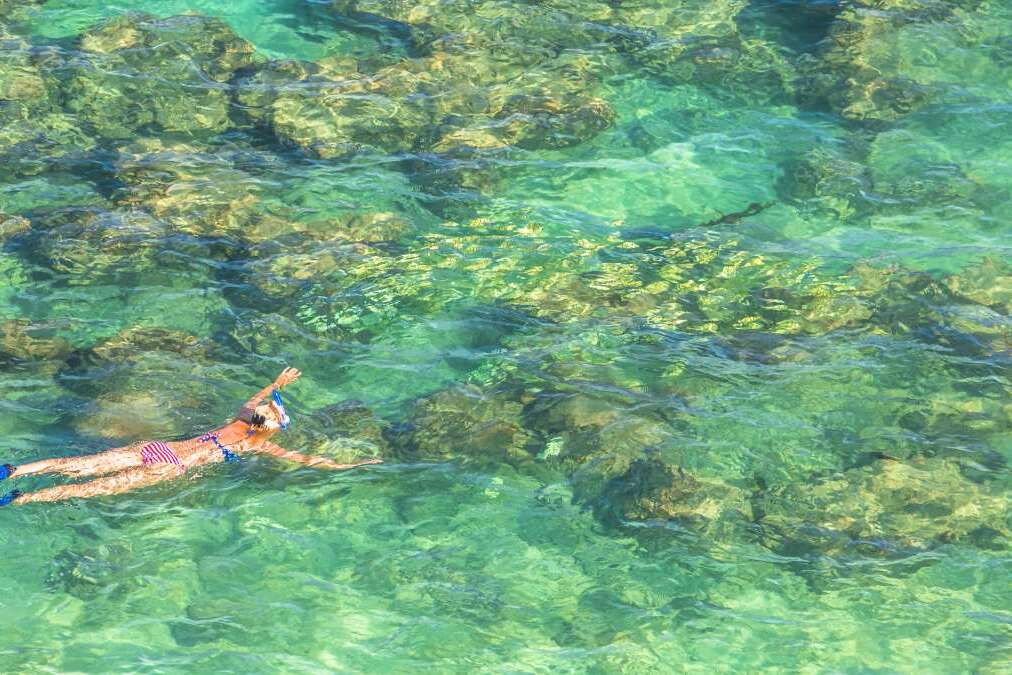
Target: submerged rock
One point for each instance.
(889, 508)
(87, 244)
(221, 196)
(907, 170)
(259, 85)
(190, 190)
(138, 72)
(876, 65)
(11, 226)
(924, 306)
(128, 417)
(828, 179)
(701, 282)
(167, 97)
(25, 88)
(345, 432)
(442, 102)
(989, 283)
(205, 41)
(107, 571)
(10, 7)
(153, 369)
(465, 421)
(25, 340)
(494, 31)
(584, 428)
(131, 344)
(650, 490)
(35, 133)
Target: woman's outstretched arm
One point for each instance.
(287, 376)
(269, 448)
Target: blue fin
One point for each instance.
(9, 497)
(7, 470)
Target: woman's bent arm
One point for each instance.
(287, 376)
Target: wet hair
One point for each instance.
(257, 421)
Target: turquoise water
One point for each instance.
(682, 328)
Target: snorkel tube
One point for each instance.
(285, 421)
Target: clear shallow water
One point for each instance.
(516, 249)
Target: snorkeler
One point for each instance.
(149, 462)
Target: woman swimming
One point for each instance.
(149, 462)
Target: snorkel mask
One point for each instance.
(285, 421)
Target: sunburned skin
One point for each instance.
(250, 432)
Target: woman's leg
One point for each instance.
(110, 461)
(110, 485)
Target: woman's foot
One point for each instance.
(7, 470)
(9, 497)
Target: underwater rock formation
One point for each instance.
(105, 571)
(651, 490)
(257, 86)
(868, 71)
(828, 179)
(220, 197)
(35, 133)
(205, 41)
(131, 345)
(87, 244)
(579, 43)
(602, 447)
(437, 103)
(188, 189)
(492, 76)
(465, 421)
(25, 340)
(889, 508)
(345, 432)
(141, 367)
(907, 170)
(698, 43)
(137, 72)
(703, 282)
(11, 226)
(988, 283)
(127, 416)
(581, 428)
(509, 34)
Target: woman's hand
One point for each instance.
(287, 376)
